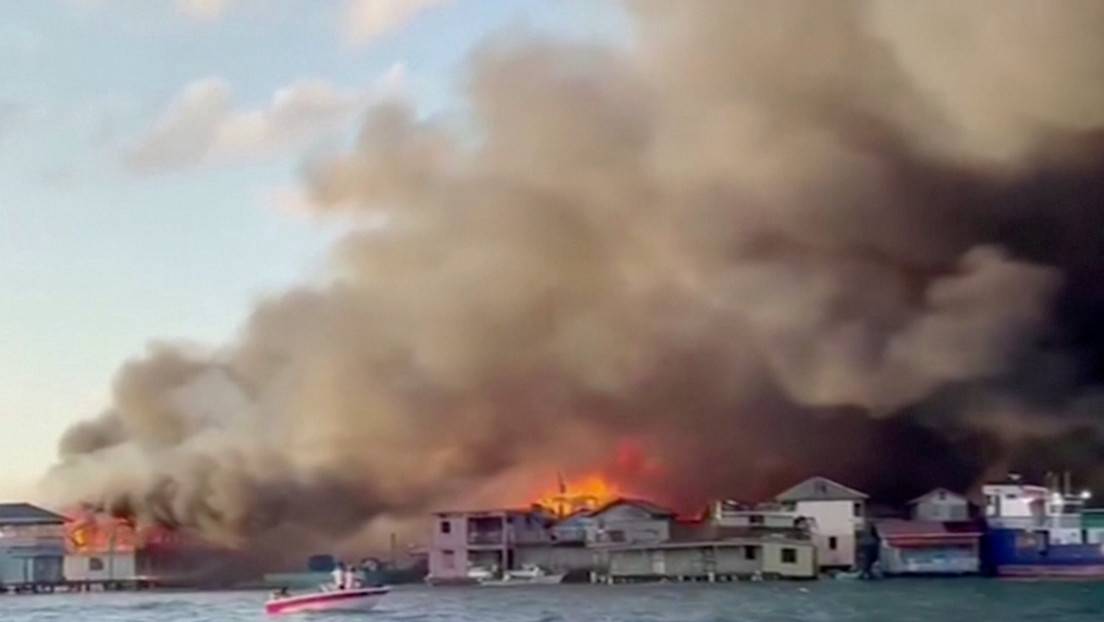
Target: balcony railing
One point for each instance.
(487, 538)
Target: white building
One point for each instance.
(940, 505)
(837, 514)
(489, 540)
(1015, 505)
(629, 521)
(765, 516)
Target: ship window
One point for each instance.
(756, 519)
(95, 564)
(789, 556)
(446, 526)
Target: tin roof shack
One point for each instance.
(838, 513)
(928, 547)
(705, 551)
(32, 546)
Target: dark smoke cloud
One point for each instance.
(770, 238)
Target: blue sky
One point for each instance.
(146, 165)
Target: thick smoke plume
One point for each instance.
(766, 238)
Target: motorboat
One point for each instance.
(526, 575)
(354, 599)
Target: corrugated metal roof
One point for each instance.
(820, 489)
(912, 533)
(27, 514)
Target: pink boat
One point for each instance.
(359, 599)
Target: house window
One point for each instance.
(95, 564)
(751, 552)
(857, 509)
(756, 519)
(942, 495)
(833, 544)
(446, 526)
(789, 556)
(448, 559)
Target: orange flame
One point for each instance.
(91, 533)
(587, 493)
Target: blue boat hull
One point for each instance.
(1025, 554)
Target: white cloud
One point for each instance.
(366, 20)
(203, 9)
(202, 125)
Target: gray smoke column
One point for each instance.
(765, 238)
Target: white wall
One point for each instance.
(1014, 500)
(441, 563)
(949, 508)
(117, 567)
(833, 519)
(627, 524)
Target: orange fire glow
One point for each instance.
(89, 533)
(586, 493)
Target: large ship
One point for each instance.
(1039, 531)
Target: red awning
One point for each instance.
(918, 534)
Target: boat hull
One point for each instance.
(1014, 553)
(362, 599)
(517, 582)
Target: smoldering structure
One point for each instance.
(760, 239)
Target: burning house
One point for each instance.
(115, 552)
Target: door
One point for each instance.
(659, 563)
(47, 569)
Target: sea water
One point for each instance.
(952, 600)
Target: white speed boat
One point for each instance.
(527, 575)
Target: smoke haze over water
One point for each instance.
(768, 238)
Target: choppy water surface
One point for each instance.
(891, 601)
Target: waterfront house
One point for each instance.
(837, 513)
(940, 505)
(628, 521)
(32, 546)
(101, 550)
(708, 551)
(928, 547)
(728, 513)
(486, 539)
